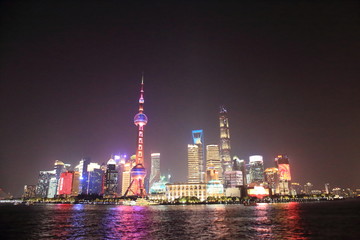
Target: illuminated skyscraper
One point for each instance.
(194, 174)
(271, 177)
(239, 165)
(213, 159)
(65, 186)
(111, 179)
(307, 188)
(327, 188)
(42, 187)
(126, 178)
(59, 167)
(256, 169)
(198, 139)
(225, 146)
(138, 173)
(83, 165)
(52, 192)
(282, 163)
(155, 169)
(29, 191)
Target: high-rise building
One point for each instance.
(42, 187)
(155, 169)
(29, 191)
(239, 165)
(213, 159)
(59, 167)
(111, 179)
(327, 188)
(282, 163)
(138, 172)
(308, 187)
(126, 178)
(194, 174)
(65, 185)
(296, 189)
(198, 140)
(247, 170)
(211, 173)
(95, 179)
(225, 147)
(83, 170)
(271, 177)
(233, 179)
(256, 169)
(53, 185)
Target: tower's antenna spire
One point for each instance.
(141, 100)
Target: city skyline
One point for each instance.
(289, 87)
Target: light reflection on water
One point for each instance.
(65, 221)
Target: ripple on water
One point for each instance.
(265, 221)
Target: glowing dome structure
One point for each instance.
(58, 162)
(140, 119)
(111, 162)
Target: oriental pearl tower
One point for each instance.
(138, 172)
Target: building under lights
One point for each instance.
(94, 179)
(42, 187)
(225, 147)
(213, 160)
(296, 188)
(179, 190)
(53, 186)
(239, 165)
(126, 178)
(155, 169)
(272, 179)
(198, 140)
(284, 186)
(211, 173)
(308, 187)
(82, 168)
(194, 174)
(256, 169)
(233, 179)
(68, 184)
(111, 179)
(29, 191)
(59, 168)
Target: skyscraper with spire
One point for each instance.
(138, 172)
(225, 147)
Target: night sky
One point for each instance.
(287, 71)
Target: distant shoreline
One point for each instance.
(134, 203)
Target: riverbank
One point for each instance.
(114, 201)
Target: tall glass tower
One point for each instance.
(225, 146)
(155, 169)
(198, 139)
(256, 169)
(193, 164)
(138, 172)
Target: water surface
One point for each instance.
(317, 220)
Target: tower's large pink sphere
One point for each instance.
(140, 119)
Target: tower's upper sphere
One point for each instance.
(140, 119)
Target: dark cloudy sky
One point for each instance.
(287, 71)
